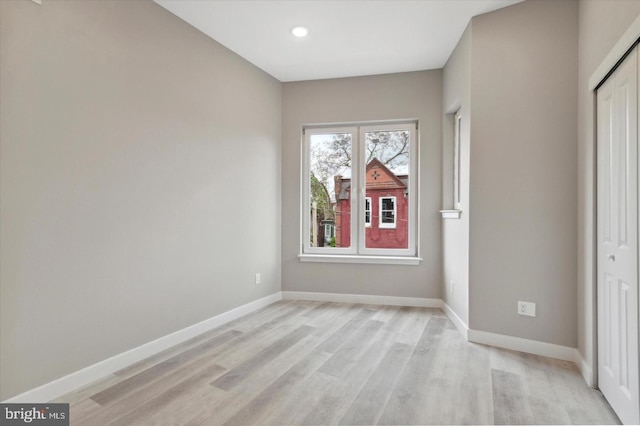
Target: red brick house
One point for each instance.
(386, 215)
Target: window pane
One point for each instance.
(330, 190)
(387, 211)
(386, 155)
(387, 204)
(367, 211)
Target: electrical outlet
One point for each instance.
(257, 278)
(526, 308)
(451, 287)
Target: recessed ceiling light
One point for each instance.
(299, 31)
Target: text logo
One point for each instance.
(34, 414)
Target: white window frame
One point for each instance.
(367, 200)
(358, 252)
(381, 224)
(306, 195)
(412, 249)
(456, 160)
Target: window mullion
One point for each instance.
(361, 228)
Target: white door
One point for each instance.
(617, 123)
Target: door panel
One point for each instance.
(617, 111)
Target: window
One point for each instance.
(327, 180)
(367, 212)
(362, 181)
(387, 212)
(452, 200)
(456, 160)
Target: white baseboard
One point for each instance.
(369, 299)
(585, 369)
(78, 379)
(456, 320)
(522, 345)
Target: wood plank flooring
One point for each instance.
(312, 363)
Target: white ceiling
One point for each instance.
(346, 38)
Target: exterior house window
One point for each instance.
(367, 212)
(360, 195)
(329, 234)
(387, 212)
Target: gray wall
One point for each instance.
(524, 170)
(383, 97)
(140, 183)
(601, 24)
(456, 95)
(513, 74)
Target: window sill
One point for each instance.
(451, 214)
(379, 260)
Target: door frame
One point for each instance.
(609, 64)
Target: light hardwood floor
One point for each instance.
(312, 363)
